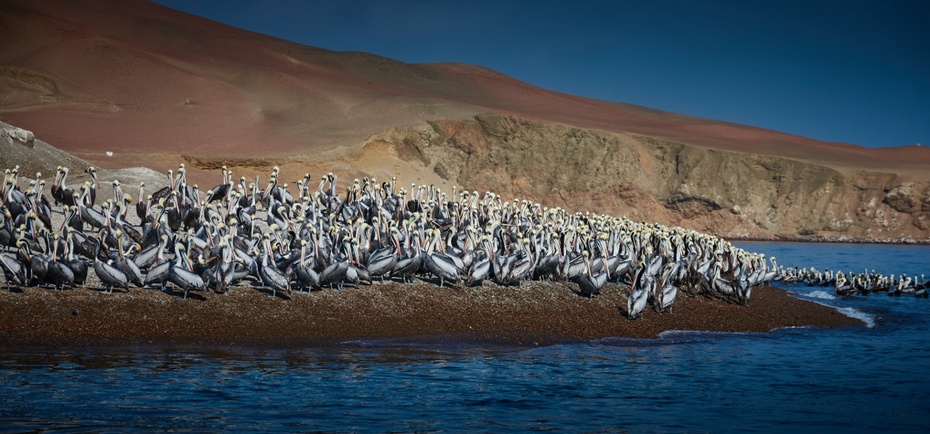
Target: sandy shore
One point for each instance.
(536, 313)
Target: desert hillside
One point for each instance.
(158, 87)
(733, 194)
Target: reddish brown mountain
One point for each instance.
(150, 84)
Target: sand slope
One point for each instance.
(136, 77)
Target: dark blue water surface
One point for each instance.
(862, 379)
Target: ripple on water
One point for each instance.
(807, 379)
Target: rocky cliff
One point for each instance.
(736, 195)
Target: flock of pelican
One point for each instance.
(240, 234)
(865, 283)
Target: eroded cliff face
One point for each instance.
(730, 194)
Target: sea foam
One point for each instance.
(851, 312)
(823, 295)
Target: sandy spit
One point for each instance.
(533, 314)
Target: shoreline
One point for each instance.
(829, 240)
(533, 314)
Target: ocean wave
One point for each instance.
(816, 296)
(852, 312)
(823, 295)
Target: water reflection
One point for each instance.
(802, 378)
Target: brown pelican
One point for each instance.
(270, 275)
(440, 264)
(180, 273)
(160, 272)
(7, 237)
(87, 213)
(307, 277)
(127, 266)
(643, 284)
(480, 266)
(382, 261)
(36, 202)
(222, 190)
(58, 274)
(142, 206)
(411, 257)
(669, 289)
(334, 273)
(147, 256)
(37, 263)
(590, 282)
(721, 285)
(77, 265)
(109, 275)
(519, 267)
(843, 287)
(225, 268)
(92, 196)
(13, 271)
(60, 190)
(572, 266)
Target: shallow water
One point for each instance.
(861, 379)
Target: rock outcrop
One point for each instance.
(11, 134)
(735, 195)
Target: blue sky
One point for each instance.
(844, 71)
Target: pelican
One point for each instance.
(842, 286)
(92, 196)
(142, 206)
(480, 266)
(160, 272)
(643, 284)
(37, 263)
(180, 273)
(14, 272)
(463, 237)
(58, 274)
(307, 277)
(128, 267)
(270, 275)
(146, 257)
(720, 284)
(591, 283)
(109, 275)
(224, 272)
(87, 213)
(221, 191)
(407, 266)
(439, 263)
(60, 191)
(669, 290)
(519, 267)
(334, 274)
(382, 261)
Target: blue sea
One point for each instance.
(856, 379)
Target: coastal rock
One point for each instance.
(649, 179)
(17, 135)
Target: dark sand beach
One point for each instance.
(533, 314)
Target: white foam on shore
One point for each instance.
(852, 312)
(816, 296)
(823, 295)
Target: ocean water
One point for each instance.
(857, 379)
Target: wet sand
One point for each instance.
(533, 314)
